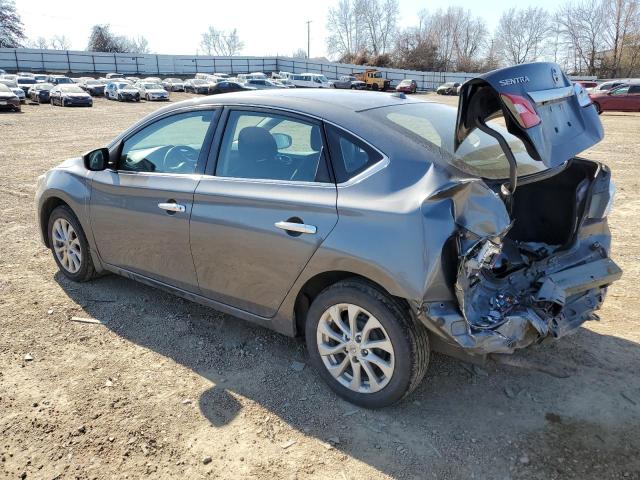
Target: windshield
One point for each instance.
(71, 89)
(123, 85)
(152, 86)
(63, 80)
(198, 82)
(405, 82)
(27, 81)
(44, 86)
(479, 155)
(93, 82)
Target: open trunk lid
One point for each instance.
(554, 118)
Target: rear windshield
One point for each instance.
(479, 155)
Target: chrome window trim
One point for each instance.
(552, 94)
(373, 169)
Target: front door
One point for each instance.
(140, 212)
(261, 214)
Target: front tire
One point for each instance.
(364, 345)
(598, 108)
(69, 245)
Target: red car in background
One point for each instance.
(407, 86)
(624, 98)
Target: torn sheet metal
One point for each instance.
(512, 294)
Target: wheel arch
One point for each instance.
(316, 284)
(48, 206)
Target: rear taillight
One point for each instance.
(583, 97)
(522, 110)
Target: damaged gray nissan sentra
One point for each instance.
(377, 226)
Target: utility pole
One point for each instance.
(308, 39)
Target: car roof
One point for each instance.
(329, 104)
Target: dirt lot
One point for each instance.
(169, 389)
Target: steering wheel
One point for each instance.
(178, 156)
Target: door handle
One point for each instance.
(296, 227)
(172, 207)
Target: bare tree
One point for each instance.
(584, 26)
(138, 45)
(380, 22)
(522, 34)
(219, 42)
(299, 53)
(345, 29)
(470, 40)
(60, 42)
(625, 22)
(40, 43)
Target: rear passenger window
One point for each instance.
(349, 155)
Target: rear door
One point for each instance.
(262, 209)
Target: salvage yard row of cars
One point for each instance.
(614, 95)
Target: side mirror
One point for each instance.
(96, 160)
(282, 140)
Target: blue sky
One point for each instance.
(266, 27)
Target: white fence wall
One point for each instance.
(34, 60)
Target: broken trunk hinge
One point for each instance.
(506, 190)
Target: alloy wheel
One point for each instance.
(66, 245)
(355, 348)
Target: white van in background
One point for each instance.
(309, 80)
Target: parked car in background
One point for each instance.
(25, 83)
(132, 79)
(310, 80)
(2, 72)
(157, 80)
(69, 96)
(197, 85)
(227, 86)
(173, 85)
(448, 88)
(285, 82)
(606, 86)
(40, 77)
(623, 98)
(13, 86)
(93, 87)
(9, 76)
(39, 93)
(349, 82)
(25, 74)
(151, 91)
(243, 77)
(8, 99)
(121, 91)
(114, 76)
(262, 84)
(407, 86)
(58, 80)
(467, 260)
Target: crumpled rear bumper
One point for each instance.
(548, 305)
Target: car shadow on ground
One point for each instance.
(460, 419)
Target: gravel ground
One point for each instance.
(167, 388)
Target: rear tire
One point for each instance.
(69, 245)
(368, 376)
(374, 87)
